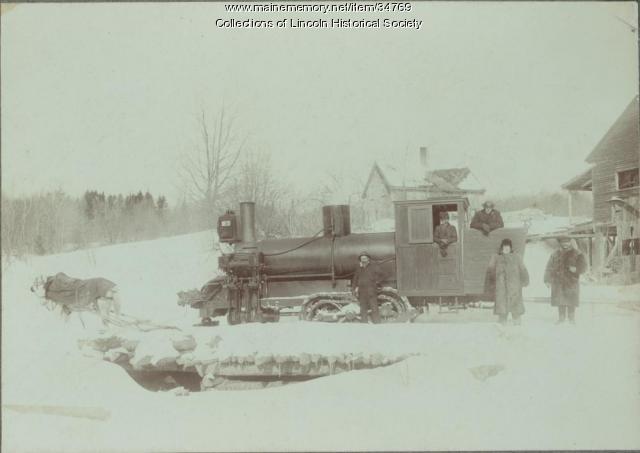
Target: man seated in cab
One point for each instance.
(488, 219)
(444, 234)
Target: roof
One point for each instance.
(413, 177)
(622, 135)
(397, 175)
(452, 199)
(581, 182)
(455, 180)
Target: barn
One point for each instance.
(614, 180)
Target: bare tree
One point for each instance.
(256, 181)
(343, 186)
(208, 168)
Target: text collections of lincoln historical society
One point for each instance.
(415, 24)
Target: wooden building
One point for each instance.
(614, 180)
(388, 183)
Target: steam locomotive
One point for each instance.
(311, 276)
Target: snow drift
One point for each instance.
(472, 385)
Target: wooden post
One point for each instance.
(570, 207)
(600, 245)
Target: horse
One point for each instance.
(73, 295)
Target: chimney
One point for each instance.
(424, 158)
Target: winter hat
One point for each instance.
(444, 215)
(504, 242)
(364, 253)
(488, 204)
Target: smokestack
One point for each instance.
(248, 221)
(424, 158)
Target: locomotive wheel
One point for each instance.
(390, 307)
(324, 310)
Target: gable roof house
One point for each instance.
(614, 180)
(394, 182)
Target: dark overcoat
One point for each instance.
(483, 221)
(367, 279)
(506, 276)
(445, 231)
(565, 284)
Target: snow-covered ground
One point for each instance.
(475, 385)
(538, 222)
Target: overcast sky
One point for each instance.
(106, 96)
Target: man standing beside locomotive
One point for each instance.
(488, 219)
(365, 286)
(562, 275)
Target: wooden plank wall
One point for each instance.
(420, 268)
(623, 153)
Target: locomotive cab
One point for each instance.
(423, 273)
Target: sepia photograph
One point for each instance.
(320, 226)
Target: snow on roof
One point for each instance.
(445, 179)
(453, 176)
(403, 175)
(455, 179)
(471, 182)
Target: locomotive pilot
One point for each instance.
(365, 283)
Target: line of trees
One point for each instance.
(54, 222)
(219, 171)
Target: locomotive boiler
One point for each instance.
(311, 276)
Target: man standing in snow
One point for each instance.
(506, 276)
(562, 275)
(365, 286)
(488, 219)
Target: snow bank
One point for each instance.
(474, 385)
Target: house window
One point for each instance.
(628, 179)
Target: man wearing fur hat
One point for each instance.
(365, 286)
(562, 275)
(488, 219)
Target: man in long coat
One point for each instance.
(506, 276)
(562, 275)
(488, 219)
(365, 286)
